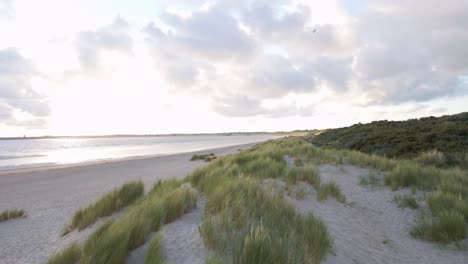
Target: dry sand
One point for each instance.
(51, 196)
(369, 228)
(372, 229)
(181, 243)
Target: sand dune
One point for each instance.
(182, 241)
(372, 229)
(50, 197)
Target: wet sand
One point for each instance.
(50, 197)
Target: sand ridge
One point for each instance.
(371, 228)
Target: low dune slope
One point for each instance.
(369, 227)
(50, 198)
(182, 242)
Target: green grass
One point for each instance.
(11, 214)
(155, 253)
(406, 201)
(205, 157)
(107, 205)
(432, 158)
(446, 227)
(246, 224)
(159, 207)
(447, 186)
(307, 173)
(113, 240)
(298, 192)
(70, 255)
(371, 180)
(330, 189)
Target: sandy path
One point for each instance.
(373, 229)
(50, 197)
(182, 241)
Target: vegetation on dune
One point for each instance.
(404, 139)
(406, 201)
(205, 157)
(112, 241)
(160, 207)
(446, 217)
(330, 190)
(11, 214)
(155, 253)
(372, 180)
(246, 223)
(448, 226)
(308, 173)
(108, 204)
(70, 255)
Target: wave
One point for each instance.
(21, 156)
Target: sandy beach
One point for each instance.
(50, 197)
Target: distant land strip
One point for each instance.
(148, 135)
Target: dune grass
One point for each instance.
(155, 253)
(114, 239)
(205, 157)
(330, 189)
(307, 173)
(107, 205)
(160, 206)
(429, 172)
(246, 224)
(371, 180)
(447, 226)
(70, 255)
(11, 214)
(406, 201)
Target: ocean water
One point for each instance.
(29, 153)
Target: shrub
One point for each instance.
(205, 157)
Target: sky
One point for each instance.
(95, 67)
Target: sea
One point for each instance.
(31, 153)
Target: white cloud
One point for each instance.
(6, 8)
(114, 37)
(230, 60)
(16, 92)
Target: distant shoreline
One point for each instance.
(146, 135)
(55, 166)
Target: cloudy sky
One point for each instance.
(115, 66)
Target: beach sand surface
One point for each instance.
(51, 196)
